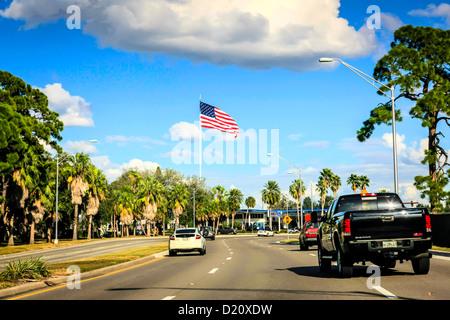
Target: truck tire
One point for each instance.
(303, 246)
(344, 264)
(324, 264)
(421, 265)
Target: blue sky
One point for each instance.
(132, 75)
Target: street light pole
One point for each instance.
(57, 183)
(365, 77)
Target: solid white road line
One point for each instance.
(383, 291)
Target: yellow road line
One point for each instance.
(101, 276)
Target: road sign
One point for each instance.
(277, 214)
(287, 220)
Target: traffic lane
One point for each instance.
(402, 281)
(81, 251)
(151, 281)
(262, 269)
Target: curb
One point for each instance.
(50, 282)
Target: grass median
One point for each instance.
(93, 263)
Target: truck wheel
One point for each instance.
(324, 264)
(421, 265)
(302, 246)
(345, 267)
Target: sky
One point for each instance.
(130, 74)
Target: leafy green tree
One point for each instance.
(151, 195)
(235, 198)
(178, 200)
(126, 208)
(27, 125)
(271, 195)
(418, 63)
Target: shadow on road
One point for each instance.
(359, 271)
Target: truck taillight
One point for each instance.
(347, 229)
(427, 223)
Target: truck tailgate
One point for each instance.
(387, 224)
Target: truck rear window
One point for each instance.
(369, 202)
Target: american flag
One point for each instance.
(214, 118)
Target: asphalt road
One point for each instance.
(256, 269)
(83, 250)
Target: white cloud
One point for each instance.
(317, 144)
(433, 11)
(184, 131)
(390, 22)
(81, 147)
(295, 136)
(113, 170)
(73, 110)
(253, 34)
(123, 140)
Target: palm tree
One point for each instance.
(97, 191)
(219, 192)
(294, 191)
(364, 183)
(213, 211)
(126, 208)
(354, 182)
(322, 189)
(250, 202)
(335, 184)
(115, 197)
(179, 198)
(151, 194)
(327, 176)
(78, 184)
(224, 209)
(271, 195)
(235, 198)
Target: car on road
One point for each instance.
(187, 240)
(377, 228)
(266, 231)
(208, 232)
(293, 230)
(226, 230)
(252, 227)
(308, 235)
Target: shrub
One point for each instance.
(32, 268)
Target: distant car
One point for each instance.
(208, 232)
(265, 232)
(253, 227)
(187, 240)
(226, 230)
(293, 230)
(308, 235)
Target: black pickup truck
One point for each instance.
(376, 228)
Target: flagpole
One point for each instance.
(200, 155)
